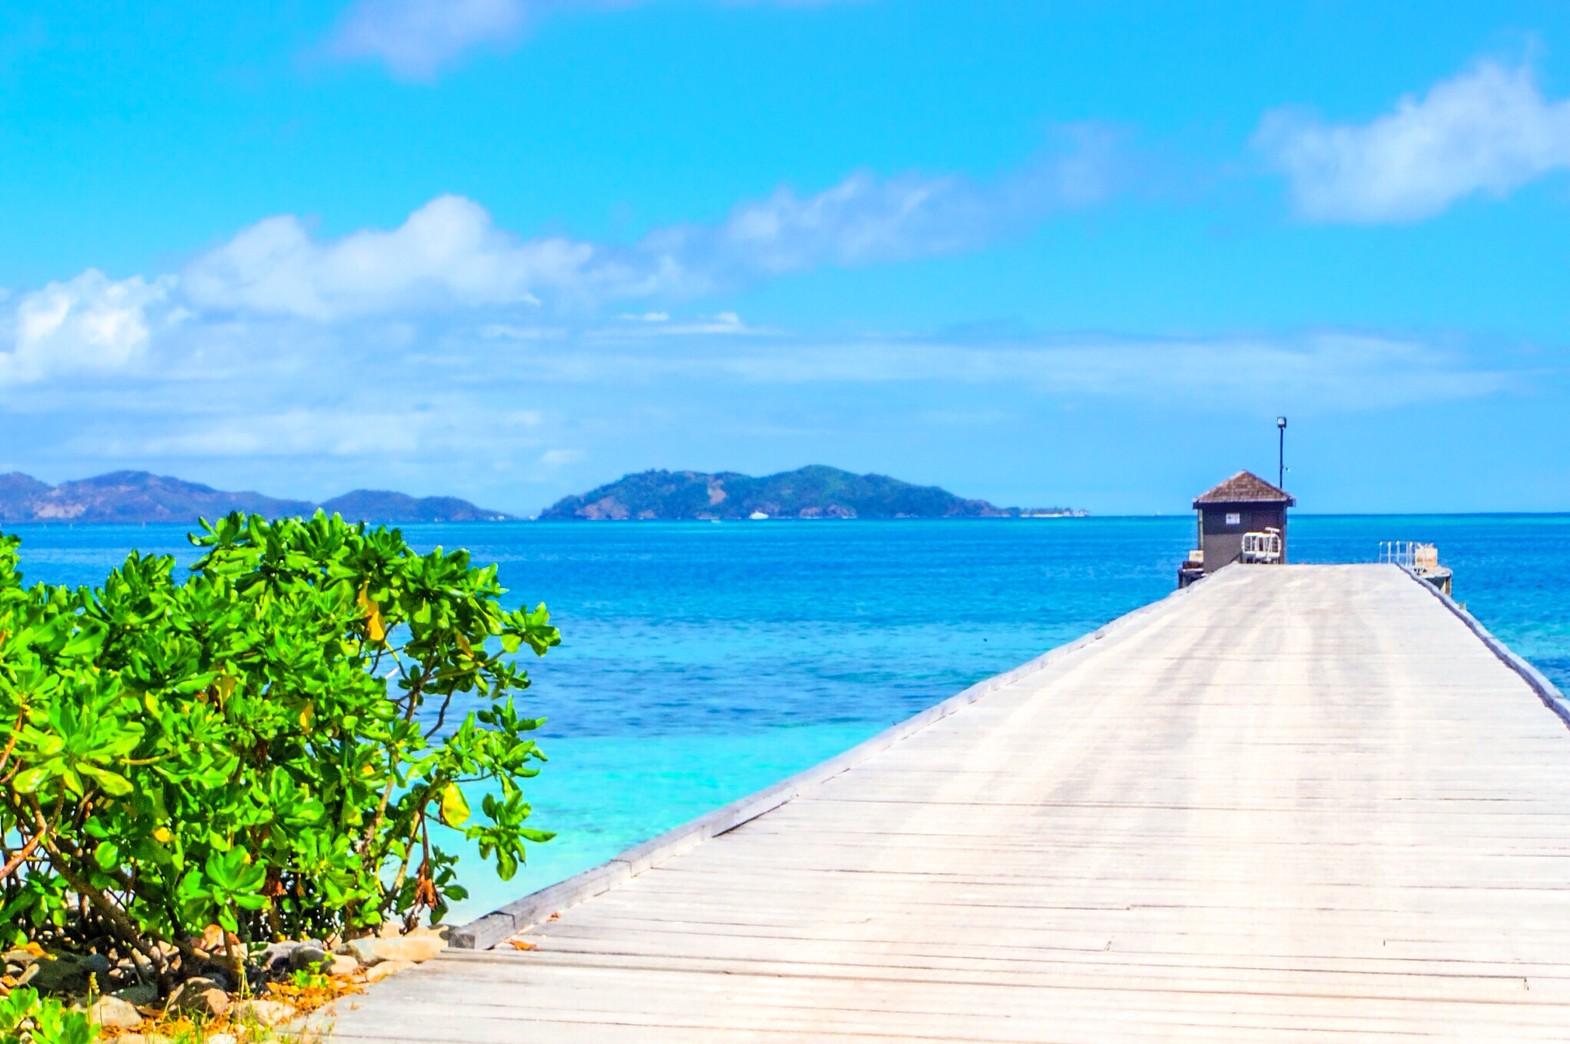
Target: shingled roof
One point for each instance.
(1244, 488)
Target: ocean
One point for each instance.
(703, 661)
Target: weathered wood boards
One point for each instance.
(1295, 803)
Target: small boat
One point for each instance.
(757, 515)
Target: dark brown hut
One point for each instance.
(1243, 519)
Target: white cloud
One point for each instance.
(1330, 371)
(296, 407)
(865, 219)
(416, 38)
(1488, 130)
(513, 332)
(90, 324)
(660, 324)
(449, 253)
(560, 458)
(354, 432)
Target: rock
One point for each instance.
(220, 976)
(309, 957)
(389, 930)
(363, 950)
(49, 975)
(343, 964)
(378, 972)
(223, 1038)
(199, 996)
(276, 956)
(139, 994)
(214, 940)
(415, 948)
(261, 1012)
(441, 931)
(114, 1013)
(141, 1038)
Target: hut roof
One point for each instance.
(1244, 488)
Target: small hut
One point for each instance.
(1242, 520)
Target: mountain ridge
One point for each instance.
(141, 496)
(815, 491)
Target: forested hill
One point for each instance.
(138, 496)
(810, 492)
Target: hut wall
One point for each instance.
(1223, 543)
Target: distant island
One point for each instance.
(816, 491)
(139, 496)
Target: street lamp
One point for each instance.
(1281, 452)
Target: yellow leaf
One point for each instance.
(455, 808)
(519, 944)
(374, 626)
(306, 714)
(162, 835)
(224, 686)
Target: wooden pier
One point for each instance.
(1288, 803)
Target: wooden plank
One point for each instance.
(492, 928)
(1299, 803)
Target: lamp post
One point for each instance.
(1281, 452)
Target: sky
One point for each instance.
(1045, 254)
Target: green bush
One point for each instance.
(263, 744)
(25, 1016)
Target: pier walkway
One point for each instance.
(1291, 803)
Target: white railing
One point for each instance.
(1409, 554)
(1397, 552)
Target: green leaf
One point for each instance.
(107, 855)
(29, 780)
(114, 784)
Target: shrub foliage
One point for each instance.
(262, 744)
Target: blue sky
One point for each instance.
(1042, 254)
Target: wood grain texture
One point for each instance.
(1298, 803)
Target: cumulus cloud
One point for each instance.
(416, 38)
(449, 253)
(89, 324)
(1488, 130)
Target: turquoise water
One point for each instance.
(701, 662)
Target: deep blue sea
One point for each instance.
(703, 661)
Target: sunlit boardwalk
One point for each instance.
(1292, 803)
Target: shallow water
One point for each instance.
(701, 661)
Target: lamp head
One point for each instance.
(1281, 422)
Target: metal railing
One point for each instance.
(1408, 554)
